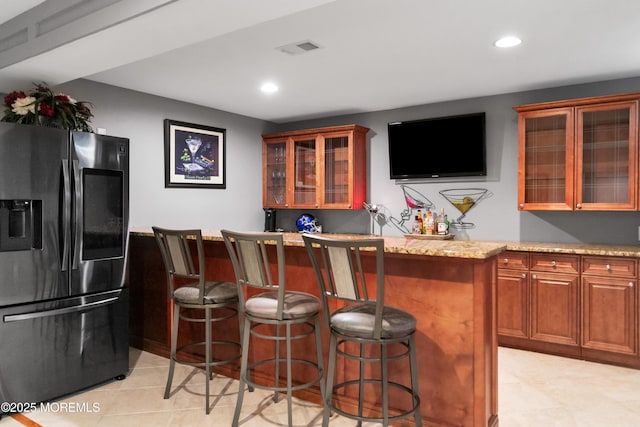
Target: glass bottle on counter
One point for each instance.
(417, 225)
(443, 228)
(428, 223)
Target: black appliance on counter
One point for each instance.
(269, 219)
(64, 217)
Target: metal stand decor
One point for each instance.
(414, 200)
(464, 199)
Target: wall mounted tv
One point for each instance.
(438, 147)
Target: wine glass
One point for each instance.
(193, 144)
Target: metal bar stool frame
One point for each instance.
(340, 274)
(251, 263)
(201, 294)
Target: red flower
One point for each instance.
(62, 98)
(46, 110)
(11, 98)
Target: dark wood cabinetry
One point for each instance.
(573, 305)
(321, 168)
(579, 154)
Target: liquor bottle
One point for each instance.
(442, 225)
(428, 225)
(417, 226)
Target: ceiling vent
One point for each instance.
(299, 47)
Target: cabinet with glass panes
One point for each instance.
(579, 155)
(323, 168)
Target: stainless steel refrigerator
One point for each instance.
(63, 241)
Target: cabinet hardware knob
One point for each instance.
(553, 263)
(534, 276)
(505, 261)
(524, 275)
(521, 205)
(579, 205)
(608, 267)
(631, 284)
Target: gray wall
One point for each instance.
(139, 116)
(495, 217)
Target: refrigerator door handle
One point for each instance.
(66, 214)
(78, 214)
(58, 311)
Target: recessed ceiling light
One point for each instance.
(508, 41)
(269, 87)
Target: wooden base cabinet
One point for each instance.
(554, 308)
(579, 306)
(609, 312)
(513, 294)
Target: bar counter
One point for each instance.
(448, 285)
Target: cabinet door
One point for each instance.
(608, 314)
(513, 301)
(545, 159)
(274, 174)
(606, 157)
(554, 308)
(337, 176)
(305, 176)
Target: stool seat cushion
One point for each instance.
(358, 321)
(214, 293)
(296, 305)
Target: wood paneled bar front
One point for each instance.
(449, 286)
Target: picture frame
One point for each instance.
(194, 155)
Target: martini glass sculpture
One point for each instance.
(463, 199)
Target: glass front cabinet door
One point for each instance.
(274, 174)
(607, 156)
(323, 168)
(545, 160)
(579, 155)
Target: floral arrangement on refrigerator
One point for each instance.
(41, 106)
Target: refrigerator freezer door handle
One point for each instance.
(58, 311)
(78, 214)
(66, 214)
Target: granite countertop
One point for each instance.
(400, 245)
(452, 248)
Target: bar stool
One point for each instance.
(268, 311)
(362, 319)
(211, 297)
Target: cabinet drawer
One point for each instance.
(555, 263)
(609, 266)
(514, 260)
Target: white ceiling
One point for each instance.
(375, 54)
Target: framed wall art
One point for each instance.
(194, 155)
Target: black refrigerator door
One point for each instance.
(34, 183)
(100, 171)
(50, 349)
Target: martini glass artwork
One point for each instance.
(463, 199)
(193, 144)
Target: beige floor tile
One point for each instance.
(534, 390)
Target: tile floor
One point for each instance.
(534, 390)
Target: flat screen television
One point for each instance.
(438, 147)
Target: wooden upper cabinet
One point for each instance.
(323, 168)
(579, 154)
(545, 159)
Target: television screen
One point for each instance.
(438, 147)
